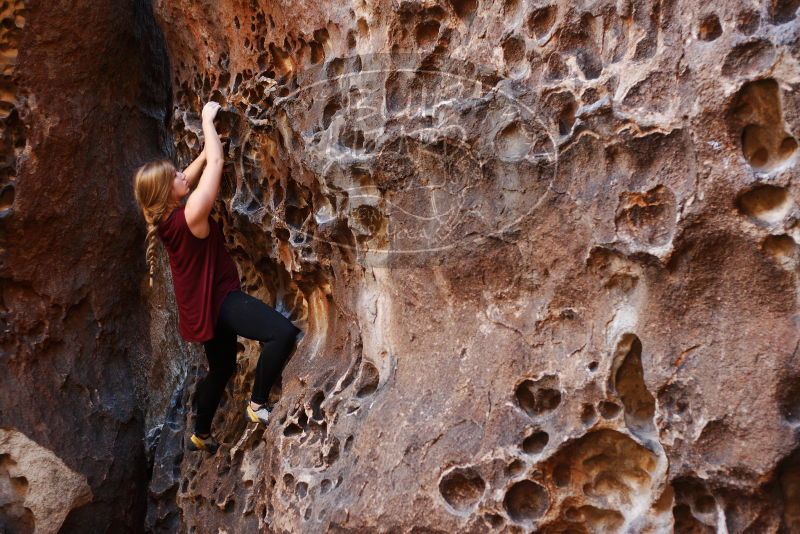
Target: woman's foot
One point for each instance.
(203, 442)
(257, 413)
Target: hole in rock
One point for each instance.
(536, 442)
(781, 247)
(511, 7)
(787, 147)
(302, 420)
(317, 53)
(748, 58)
(462, 488)
(333, 452)
(515, 468)
(639, 403)
(710, 28)
(513, 51)
(603, 468)
(566, 119)
(790, 402)
(573, 514)
(608, 409)
(525, 501)
(322, 36)
(589, 63)
(281, 60)
(768, 204)
(352, 138)
(561, 475)
(224, 80)
(671, 398)
(292, 430)
(556, 68)
(789, 479)
(464, 9)
(427, 32)
(295, 217)
(756, 112)
(782, 11)
(541, 20)
(686, 522)
(588, 414)
(538, 397)
(363, 28)
(316, 406)
(592, 366)
(705, 504)
(325, 486)
(494, 520)
(7, 197)
(368, 380)
(602, 520)
(747, 22)
(646, 47)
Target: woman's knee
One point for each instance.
(289, 335)
(224, 370)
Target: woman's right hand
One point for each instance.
(210, 111)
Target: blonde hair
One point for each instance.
(152, 186)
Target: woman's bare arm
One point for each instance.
(201, 200)
(194, 169)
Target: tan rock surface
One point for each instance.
(37, 485)
(544, 253)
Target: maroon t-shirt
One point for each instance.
(203, 273)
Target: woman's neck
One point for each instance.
(174, 204)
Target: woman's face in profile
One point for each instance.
(180, 186)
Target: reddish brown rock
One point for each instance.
(544, 256)
(84, 92)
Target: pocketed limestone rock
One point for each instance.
(37, 490)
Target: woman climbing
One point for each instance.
(212, 309)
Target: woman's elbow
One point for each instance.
(215, 161)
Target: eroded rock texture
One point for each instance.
(84, 89)
(544, 253)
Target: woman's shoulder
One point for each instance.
(175, 213)
(170, 220)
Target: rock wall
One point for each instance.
(544, 254)
(85, 86)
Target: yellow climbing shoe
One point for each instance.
(257, 416)
(208, 444)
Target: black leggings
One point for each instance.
(248, 317)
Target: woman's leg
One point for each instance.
(221, 355)
(251, 318)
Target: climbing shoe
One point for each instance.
(208, 444)
(257, 416)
